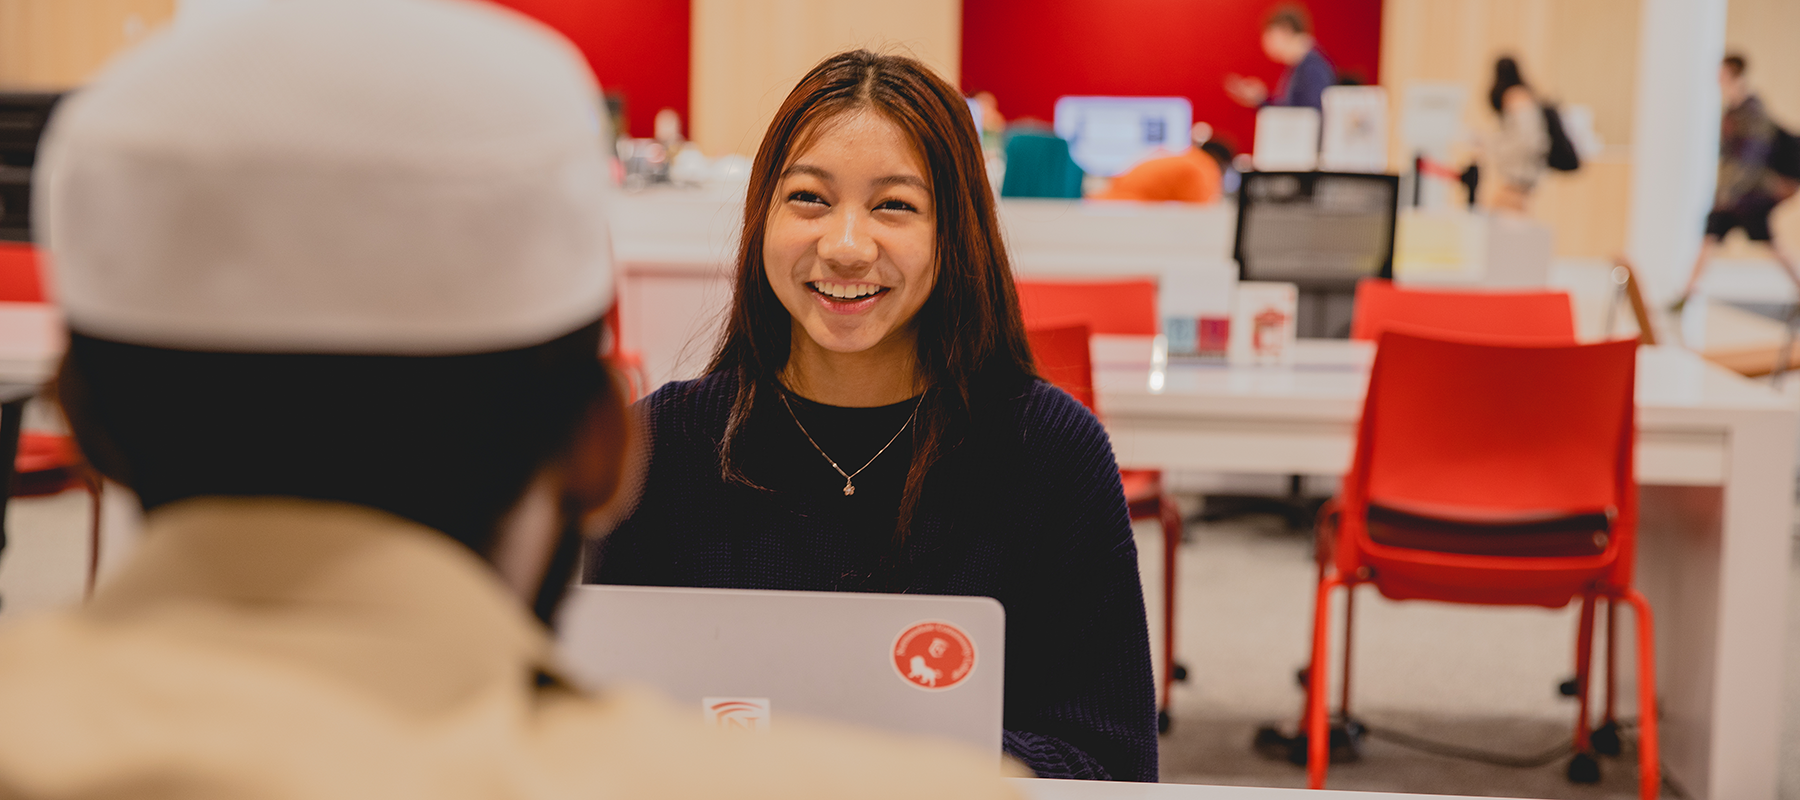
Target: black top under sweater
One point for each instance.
(1027, 510)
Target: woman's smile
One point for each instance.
(839, 297)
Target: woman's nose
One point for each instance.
(847, 243)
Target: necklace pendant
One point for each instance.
(849, 488)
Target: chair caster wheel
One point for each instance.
(1584, 768)
(1568, 688)
(1605, 739)
(1179, 673)
(1272, 744)
(1162, 721)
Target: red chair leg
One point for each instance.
(1306, 704)
(1649, 757)
(1584, 656)
(1318, 724)
(1172, 531)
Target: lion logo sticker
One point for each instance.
(934, 656)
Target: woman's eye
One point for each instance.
(805, 197)
(896, 205)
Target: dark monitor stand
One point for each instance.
(1322, 232)
(23, 116)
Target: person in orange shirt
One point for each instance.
(1191, 176)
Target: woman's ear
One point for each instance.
(604, 469)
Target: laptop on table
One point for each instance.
(913, 664)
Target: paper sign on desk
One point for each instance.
(1262, 323)
(1355, 137)
(1287, 139)
(1195, 306)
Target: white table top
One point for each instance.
(1042, 789)
(32, 340)
(1676, 387)
(1301, 419)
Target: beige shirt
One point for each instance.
(1517, 151)
(260, 648)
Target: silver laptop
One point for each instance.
(912, 664)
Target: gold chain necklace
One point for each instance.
(850, 477)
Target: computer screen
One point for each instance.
(22, 119)
(1321, 230)
(1108, 135)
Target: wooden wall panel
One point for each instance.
(1572, 52)
(748, 54)
(57, 44)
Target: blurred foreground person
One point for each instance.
(1749, 188)
(333, 273)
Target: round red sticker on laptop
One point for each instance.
(934, 655)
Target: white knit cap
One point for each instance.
(406, 177)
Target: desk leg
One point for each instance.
(1715, 563)
(12, 417)
(1752, 622)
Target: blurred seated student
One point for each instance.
(993, 125)
(333, 273)
(1287, 40)
(1038, 163)
(1191, 176)
(872, 420)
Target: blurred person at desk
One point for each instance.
(1749, 186)
(872, 420)
(334, 274)
(1190, 176)
(993, 124)
(1287, 39)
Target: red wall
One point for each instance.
(1030, 52)
(638, 48)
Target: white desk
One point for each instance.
(31, 342)
(1041, 789)
(1716, 460)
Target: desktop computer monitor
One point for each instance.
(22, 119)
(1108, 135)
(1322, 231)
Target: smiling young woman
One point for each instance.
(872, 420)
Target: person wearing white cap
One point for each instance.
(333, 272)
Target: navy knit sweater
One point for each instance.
(1027, 510)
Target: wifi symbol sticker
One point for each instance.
(737, 713)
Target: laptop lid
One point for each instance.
(915, 664)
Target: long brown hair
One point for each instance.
(971, 338)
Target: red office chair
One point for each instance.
(21, 280)
(1380, 305)
(1492, 474)
(1060, 316)
(1122, 307)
